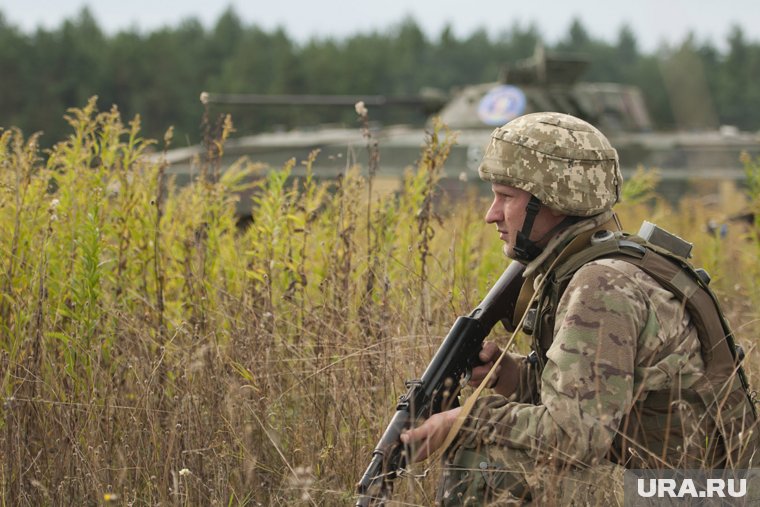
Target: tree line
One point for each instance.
(161, 74)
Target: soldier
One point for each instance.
(617, 378)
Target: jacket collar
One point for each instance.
(571, 240)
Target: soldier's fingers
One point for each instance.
(418, 441)
(414, 434)
(479, 373)
(488, 351)
(428, 445)
(422, 451)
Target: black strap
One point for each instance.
(525, 249)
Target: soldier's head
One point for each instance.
(547, 171)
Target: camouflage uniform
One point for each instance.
(619, 340)
(619, 336)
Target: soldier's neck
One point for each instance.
(571, 240)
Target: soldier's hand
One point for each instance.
(505, 378)
(430, 435)
(488, 354)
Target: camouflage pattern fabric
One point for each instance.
(493, 475)
(619, 338)
(567, 163)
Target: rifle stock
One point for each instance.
(439, 385)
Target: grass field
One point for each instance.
(151, 352)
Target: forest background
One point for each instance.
(154, 352)
(160, 74)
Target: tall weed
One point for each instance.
(153, 351)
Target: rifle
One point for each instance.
(439, 385)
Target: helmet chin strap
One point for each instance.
(526, 250)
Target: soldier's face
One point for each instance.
(507, 212)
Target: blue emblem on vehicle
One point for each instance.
(501, 104)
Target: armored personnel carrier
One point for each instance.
(544, 82)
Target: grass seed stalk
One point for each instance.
(152, 351)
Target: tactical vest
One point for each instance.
(651, 435)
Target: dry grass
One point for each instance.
(152, 353)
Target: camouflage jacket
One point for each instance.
(619, 338)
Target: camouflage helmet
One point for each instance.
(567, 163)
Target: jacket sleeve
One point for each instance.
(587, 382)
